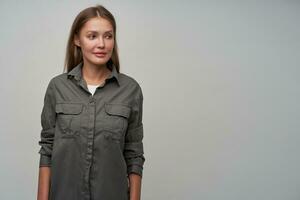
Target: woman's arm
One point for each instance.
(48, 119)
(135, 184)
(133, 149)
(44, 183)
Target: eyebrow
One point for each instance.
(92, 31)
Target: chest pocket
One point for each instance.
(69, 118)
(116, 119)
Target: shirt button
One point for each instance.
(92, 100)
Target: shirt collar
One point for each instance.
(76, 72)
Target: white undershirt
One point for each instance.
(92, 88)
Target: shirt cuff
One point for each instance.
(135, 169)
(45, 161)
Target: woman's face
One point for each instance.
(96, 40)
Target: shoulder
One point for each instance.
(131, 84)
(58, 79)
(128, 80)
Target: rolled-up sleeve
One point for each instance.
(133, 151)
(48, 117)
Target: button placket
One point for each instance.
(90, 138)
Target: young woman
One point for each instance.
(92, 130)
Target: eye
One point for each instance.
(91, 37)
(108, 36)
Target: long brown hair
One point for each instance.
(73, 52)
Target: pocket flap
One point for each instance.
(68, 108)
(117, 109)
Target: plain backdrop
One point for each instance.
(221, 93)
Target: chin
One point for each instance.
(98, 61)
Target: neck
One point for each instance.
(94, 74)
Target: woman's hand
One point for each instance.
(135, 183)
(44, 183)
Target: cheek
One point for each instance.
(110, 46)
(87, 46)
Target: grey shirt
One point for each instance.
(91, 142)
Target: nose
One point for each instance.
(100, 43)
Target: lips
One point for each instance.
(100, 54)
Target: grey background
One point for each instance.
(221, 93)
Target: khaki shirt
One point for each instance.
(91, 142)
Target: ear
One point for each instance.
(76, 40)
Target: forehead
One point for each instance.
(98, 24)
